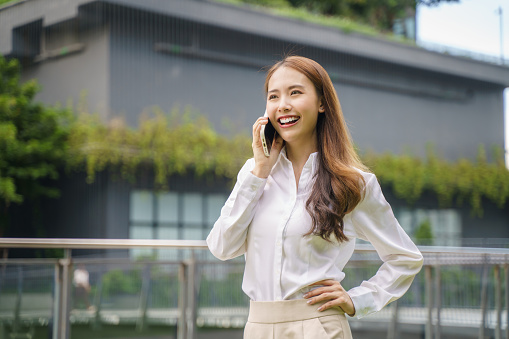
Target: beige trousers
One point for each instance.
(294, 319)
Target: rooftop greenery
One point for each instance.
(373, 18)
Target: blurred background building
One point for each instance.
(129, 56)
(127, 59)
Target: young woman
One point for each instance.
(295, 216)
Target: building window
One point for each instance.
(445, 224)
(60, 40)
(171, 215)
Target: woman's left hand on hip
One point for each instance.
(333, 294)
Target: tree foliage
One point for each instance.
(33, 138)
(376, 13)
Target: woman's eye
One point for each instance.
(296, 92)
(272, 96)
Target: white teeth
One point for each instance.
(287, 120)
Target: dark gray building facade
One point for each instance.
(128, 56)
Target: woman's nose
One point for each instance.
(284, 105)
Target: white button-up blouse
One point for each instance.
(265, 219)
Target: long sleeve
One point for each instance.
(227, 239)
(374, 221)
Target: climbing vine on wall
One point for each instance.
(173, 143)
(183, 142)
(451, 182)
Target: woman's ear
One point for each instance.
(321, 108)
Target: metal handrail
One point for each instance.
(93, 243)
(71, 243)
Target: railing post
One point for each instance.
(438, 300)
(506, 269)
(191, 304)
(145, 288)
(182, 302)
(2, 275)
(392, 333)
(57, 294)
(17, 307)
(429, 301)
(65, 296)
(498, 302)
(98, 303)
(484, 299)
(4, 266)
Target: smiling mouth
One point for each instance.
(287, 121)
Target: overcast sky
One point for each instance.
(472, 25)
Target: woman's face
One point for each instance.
(293, 105)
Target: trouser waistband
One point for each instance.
(271, 312)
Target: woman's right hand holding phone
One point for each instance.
(263, 164)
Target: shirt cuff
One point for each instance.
(363, 301)
(251, 186)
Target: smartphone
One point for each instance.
(267, 135)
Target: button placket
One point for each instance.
(278, 260)
(279, 242)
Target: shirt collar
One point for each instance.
(311, 163)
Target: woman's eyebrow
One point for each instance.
(295, 86)
(290, 87)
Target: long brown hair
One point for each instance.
(338, 186)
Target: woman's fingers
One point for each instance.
(326, 282)
(333, 294)
(321, 294)
(344, 304)
(318, 291)
(257, 126)
(257, 143)
(263, 164)
(339, 299)
(328, 285)
(339, 296)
